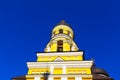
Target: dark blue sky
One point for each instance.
(25, 28)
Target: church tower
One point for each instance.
(63, 60)
(62, 39)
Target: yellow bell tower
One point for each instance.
(62, 39)
(62, 60)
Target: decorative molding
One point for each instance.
(58, 59)
(62, 26)
(61, 75)
(75, 64)
(61, 36)
(37, 78)
(78, 78)
(61, 54)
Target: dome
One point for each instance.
(63, 26)
(100, 71)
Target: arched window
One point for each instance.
(60, 46)
(61, 31)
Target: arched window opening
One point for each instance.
(61, 31)
(60, 46)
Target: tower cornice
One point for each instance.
(81, 64)
(80, 53)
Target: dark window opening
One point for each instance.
(60, 49)
(61, 31)
(60, 46)
(60, 42)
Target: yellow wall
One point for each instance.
(52, 58)
(78, 71)
(65, 32)
(42, 78)
(53, 47)
(71, 78)
(56, 32)
(46, 58)
(66, 47)
(57, 78)
(38, 70)
(29, 78)
(87, 78)
(65, 28)
(57, 71)
(71, 58)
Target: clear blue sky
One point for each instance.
(25, 28)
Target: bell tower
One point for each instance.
(62, 60)
(61, 39)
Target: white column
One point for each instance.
(50, 78)
(64, 70)
(51, 69)
(78, 78)
(64, 78)
(37, 78)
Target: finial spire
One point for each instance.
(63, 22)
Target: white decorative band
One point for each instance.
(61, 54)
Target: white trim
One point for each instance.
(82, 64)
(61, 36)
(64, 70)
(61, 54)
(58, 59)
(50, 78)
(78, 78)
(60, 63)
(51, 69)
(73, 48)
(37, 78)
(64, 78)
